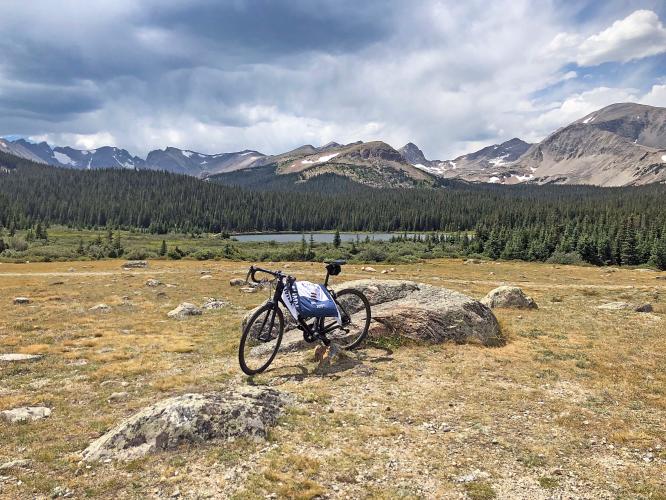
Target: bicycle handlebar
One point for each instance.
(253, 270)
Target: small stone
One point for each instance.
(118, 396)
(206, 277)
(644, 308)
(22, 300)
(183, 310)
(135, 264)
(101, 308)
(237, 282)
(212, 303)
(20, 357)
(153, 283)
(249, 289)
(25, 414)
(15, 464)
(369, 269)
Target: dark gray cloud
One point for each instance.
(273, 74)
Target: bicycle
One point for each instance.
(259, 345)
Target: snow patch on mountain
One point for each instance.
(63, 158)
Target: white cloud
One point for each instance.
(640, 34)
(656, 96)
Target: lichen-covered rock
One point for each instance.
(153, 283)
(191, 418)
(25, 414)
(184, 310)
(237, 282)
(509, 296)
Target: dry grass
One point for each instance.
(574, 405)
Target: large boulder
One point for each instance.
(191, 418)
(414, 310)
(509, 296)
(427, 313)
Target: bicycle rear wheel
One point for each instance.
(261, 339)
(355, 312)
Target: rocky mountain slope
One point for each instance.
(170, 159)
(371, 163)
(198, 164)
(480, 166)
(621, 144)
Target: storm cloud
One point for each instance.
(271, 75)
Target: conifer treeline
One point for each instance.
(603, 225)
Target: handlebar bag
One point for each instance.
(309, 300)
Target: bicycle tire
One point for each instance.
(247, 331)
(364, 323)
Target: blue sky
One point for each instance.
(271, 75)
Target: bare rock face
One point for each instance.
(25, 414)
(183, 310)
(508, 296)
(191, 418)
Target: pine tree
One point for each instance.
(658, 254)
(336, 239)
(163, 249)
(628, 251)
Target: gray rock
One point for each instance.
(191, 418)
(15, 464)
(21, 300)
(20, 357)
(473, 261)
(118, 396)
(660, 277)
(153, 283)
(135, 264)
(212, 303)
(508, 296)
(615, 306)
(25, 414)
(102, 308)
(206, 277)
(183, 310)
(369, 269)
(237, 282)
(644, 308)
(249, 289)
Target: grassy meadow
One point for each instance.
(574, 406)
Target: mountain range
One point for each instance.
(621, 144)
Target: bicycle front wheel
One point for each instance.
(355, 312)
(261, 339)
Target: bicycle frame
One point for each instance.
(310, 335)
